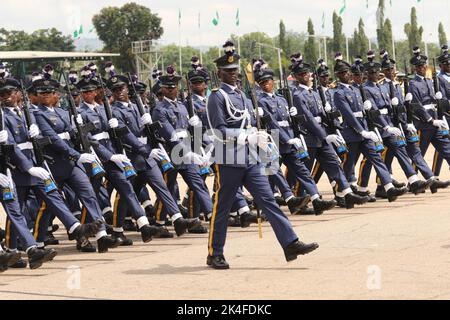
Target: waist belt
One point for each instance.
(101, 136)
(143, 140)
(430, 106)
(64, 135)
(384, 111)
(284, 123)
(318, 119)
(358, 114)
(25, 146)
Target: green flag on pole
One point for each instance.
(237, 18)
(215, 21)
(81, 30)
(77, 33)
(344, 6)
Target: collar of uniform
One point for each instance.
(125, 104)
(420, 77)
(324, 88)
(52, 109)
(346, 85)
(370, 84)
(200, 97)
(91, 106)
(387, 80)
(270, 94)
(171, 101)
(11, 109)
(229, 86)
(303, 86)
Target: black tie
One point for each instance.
(18, 112)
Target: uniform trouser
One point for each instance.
(399, 152)
(51, 204)
(298, 169)
(367, 148)
(72, 200)
(126, 197)
(278, 180)
(103, 196)
(16, 226)
(240, 205)
(329, 161)
(32, 209)
(440, 143)
(229, 179)
(195, 183)
(165, 201)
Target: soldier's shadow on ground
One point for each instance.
(163, 269)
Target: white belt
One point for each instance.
(430, 106)
(358, 114)
(284, 123)
(101, 136)
(384, 111)
(64, 135)
(143, 140)
(318, 119)
(25, 146)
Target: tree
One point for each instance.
(442, 35)
(39, 40)
(380, 24)
(360, 40)
(310, 53)
(118, 27)
(387, 27)
(413, 31)
(338, 43)
(282, 37)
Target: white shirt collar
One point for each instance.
(230, 86)
(270, 94)
(125, 104)
(423, 78)
(303, 86)
(200, 97)
(347, 85)
(91, 106)
(52, 109)
(171, 101)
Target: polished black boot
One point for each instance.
(351, 199)
(298, 248)
(36, 256)
(247, 218)
(296, 203)
(393, 193)
(217, 262)
(321, 205)
(181, 225)
(105, 243)
(436, 184)
(418, 187)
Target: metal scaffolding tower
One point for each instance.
(147, 59)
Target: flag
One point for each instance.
(77, 33)
(344, 6)
(237, 18)
(215, 21)
(92, 29)
(323, 20)
(199, 20)
(81, 30)
(179, 17)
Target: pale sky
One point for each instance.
(261, 15)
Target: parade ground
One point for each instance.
(378, 251)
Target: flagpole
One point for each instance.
(200, 36)
(179, 42)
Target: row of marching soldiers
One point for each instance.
(64, 160)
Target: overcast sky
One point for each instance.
(261, 15)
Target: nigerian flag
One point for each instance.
(215, 21)
(344, 6)
(237, 18)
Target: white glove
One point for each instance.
(370, 135)
(395, 101)
(39, 172)
(196, 159)
(119, 159)
(367, 105)
(411, 128)
(146, 119)
(87, 158)
(113, 123)
(296, 142)
(260, 111)
(293, 111)
(4, 181)
(260, 138)
(194, 121)
(440, 124)
(79, 119)
(157, 154)
(182, 134)
(328, 107)
(64, 135)
(335, 139)
(438, 95)
(394, 131)
(3, 136)
(408, 97)
(33, 131)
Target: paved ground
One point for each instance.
(379, 251)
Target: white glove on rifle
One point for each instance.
(367, 105)
(87, 158)
(196, 159)
(293, 111)
(440, 124)
(438, 95)
(157, 154)
(3, 136)
(119, 159)
(328, 107)
(146, 119)
(296, 142)
(408, 97)
(370, 135)
(394, 131)
(260, 111)
(39, 172)
(395, 101)
(335, 139)
(195, 121)
(4, 181)
(113, 123)
(79, 119)
(33, 131)
(411, 128)
(260, 138)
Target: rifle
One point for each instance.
(296, 122)
(116, 134)
(181, 96)
(396, 115)
(412, 138)
(5, 164)
(38, 144)
(442, 105)
(196, 139)
(330, 116)
(215, 82)
(370, 116)
(84, 144)
(151, 131)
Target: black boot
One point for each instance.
(51, 240)
(351, 199)
(198, 230)
(438, 184)
(84, 245)
(109, 217)
(55, 227)
(163, 232)
(181, 225)
(298, 248)
(397, 184)
(122, 239)
(234, 221)
(280, 201)
(129, 225)
(148, 232)
(2, 234)
(381, 192)
(105, 243)
(393, 193)
(36, 256)
(217, 262)
(340, 202)
(418, 187)
(86, 230)
(296, 203)
(323, 205)
(306, 211)
(247, 218)
(20, 264)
